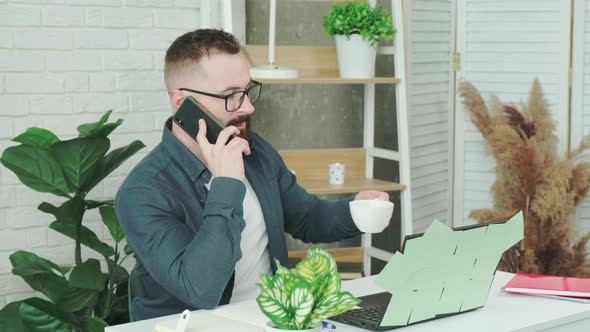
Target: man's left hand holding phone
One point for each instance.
(221, 148)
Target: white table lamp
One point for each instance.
(272, 70)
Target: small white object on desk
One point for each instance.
(182, 323)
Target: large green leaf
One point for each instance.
(301, 302)
(77, 299)
(110, 162)
(88, 275)
(65, 269)
(36, 168)
(325, 286)
(107, 129)
(37, 137)
(332, 305)
(127, 250)
(319, 250)
(286, 280)
(100, 128)
(87, 129)
(38, 273)
(120, 275)
(109, 218)
(56, 288)
(87, 237)
(10, 320)
(274, 303)
(266, 281)
(70, 212)
(40, 315)
(96, 204)
(313, 267)
(26, 263)
(96, 324)
(78, 156)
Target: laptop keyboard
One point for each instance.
(373, 313)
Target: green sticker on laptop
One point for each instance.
(444, 271)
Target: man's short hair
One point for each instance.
(191, 47)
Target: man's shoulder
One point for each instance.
(148, 170)
(261, 144)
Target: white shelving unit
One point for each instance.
(318, 65)
(403, 154)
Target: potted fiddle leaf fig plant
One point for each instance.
(357, 28)
(301, 300)
(78, 297)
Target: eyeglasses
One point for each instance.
(234, 100)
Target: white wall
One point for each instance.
(430, 90)
(65, 64)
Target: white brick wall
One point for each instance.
(67, 62)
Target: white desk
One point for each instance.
(502, 312)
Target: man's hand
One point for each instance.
(221, 159)
(372, 194)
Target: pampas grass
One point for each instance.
(531, 178)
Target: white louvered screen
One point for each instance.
(429, 91)
(504, 45)
(580, 119)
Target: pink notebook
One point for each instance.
(549, 285)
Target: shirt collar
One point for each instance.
(192, 165)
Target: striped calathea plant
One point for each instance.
(300, 300)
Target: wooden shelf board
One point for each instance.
(330, 80)
(350, 186)
(311, 168)
(341, 255)
(315, 64)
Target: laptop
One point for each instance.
(370, 312)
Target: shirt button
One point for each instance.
(193, 178)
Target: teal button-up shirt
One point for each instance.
(186, 239)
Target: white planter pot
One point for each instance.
(270, 327)
(356, 57)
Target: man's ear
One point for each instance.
(176, 99)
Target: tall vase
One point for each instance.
(356, 57)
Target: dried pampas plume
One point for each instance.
(531, 178)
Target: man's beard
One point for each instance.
(245, 133)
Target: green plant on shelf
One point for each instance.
(359, 18)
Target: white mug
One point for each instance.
(336, 173)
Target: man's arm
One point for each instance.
(307, 217)
(194, 268)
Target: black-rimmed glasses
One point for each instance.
(234, 100)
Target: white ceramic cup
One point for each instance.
(371, 216)
(336, 173)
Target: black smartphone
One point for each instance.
(187, 117)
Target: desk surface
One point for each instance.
(502, 312)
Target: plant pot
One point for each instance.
(356, 57)
(270, 327)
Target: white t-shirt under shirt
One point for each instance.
(254, 245)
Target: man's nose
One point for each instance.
(247, 106)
